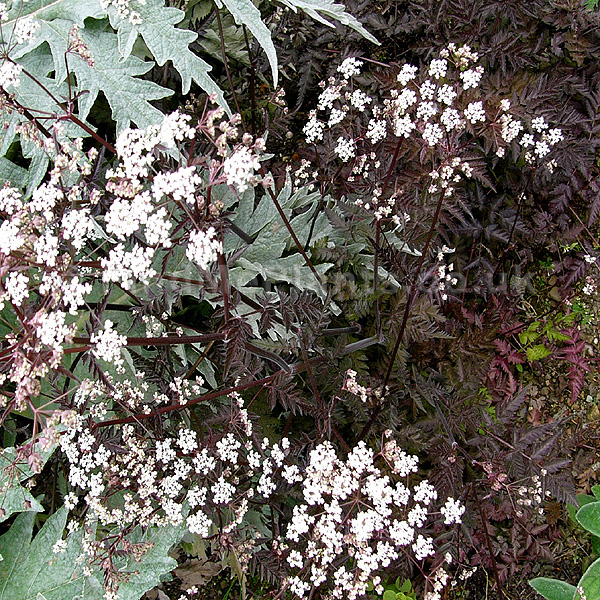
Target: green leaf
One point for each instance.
(537, 352)
(317, 8)
(596, 544)
(596, 491)
(166, 42)
(590, 582)
(554, 335)
(530, 334)
(129, 97)
(38, 63)
(154, 564)
(389, 595)
(265, 255)
(233, 37)
(245, 13)
(31, 569)
(582, 500)
(589, 517)
(553, 589)
(14, 497)
(11, 173)
(75, 11)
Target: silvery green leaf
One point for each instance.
(166, 42)
(31, 568)
(13, 471)
(245, 13)
(129, 97)
(319, 9)
(75, 11)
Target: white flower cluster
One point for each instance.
(435, 107)
(124, 10)
(203, 247)
(108, 344)
(10, 74)
(25, 29)
(125, 267)
(240, 168)
(362, 392)
(180, 184)
(380, 522)
(444, 272)
(136, 150)
(347, 510)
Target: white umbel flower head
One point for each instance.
(203, 247)
(239, 168)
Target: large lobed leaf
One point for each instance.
(14, 471)
(129, 97)
(265, 256)
(166, 42)
(31, 570)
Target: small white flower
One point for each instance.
(446, 94)
(203, 247)
(376, 130)
(345, 149)
(433, 134)
(336, 116)
(403, 126)
(438, 68)
(350, 67)
(239, 168)
(108, 344)
(452, 511)
(199, 524)
(475, 112)
(539, 124)
(360, 100)
(407, 73)
(471, 77)
(313, 130)
(10, 74)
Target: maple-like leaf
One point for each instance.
(128, 96)
(36, 570)
(75, 11)
(165, 42)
